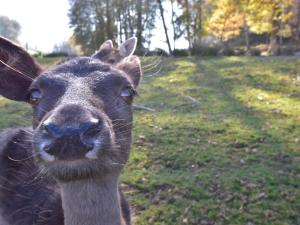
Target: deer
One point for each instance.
(64, 170)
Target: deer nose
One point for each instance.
(58, 131)
(86, 131)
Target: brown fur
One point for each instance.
(81, 137)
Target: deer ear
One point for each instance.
(105, 49)
(17, 70)
(132, 67)
(128, 47)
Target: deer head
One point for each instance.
(82, 112)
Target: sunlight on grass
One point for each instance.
(222, 146)
(268, 101)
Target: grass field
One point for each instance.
(222, 146)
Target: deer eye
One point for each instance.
(128, 93)
(35, 96)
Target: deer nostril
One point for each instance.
(53, 130)
(89, 126)
(90, 133)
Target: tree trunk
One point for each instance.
(246, 28)
(273, 46)
(109, 22)
(247, 41)
(198, 26)
(119, 21)
(125, 25)
(173, 25)
(139, 27)
(164, 24)
(188, 22)
(297, 31)
(99, 36)
(120, 31)
(129, 21)
(280, 38)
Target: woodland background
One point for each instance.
(208, 27)
(217, 142)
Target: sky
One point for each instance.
(45, 23)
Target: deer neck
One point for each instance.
(91, 202)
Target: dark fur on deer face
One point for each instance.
(82, 112)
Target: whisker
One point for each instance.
(155, 63)
(16, 70)
(21, 160)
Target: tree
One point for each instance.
(260, 17)
(226, 21)
(137, 18)
(187, 17)
(65, 48)
(177, 21)
(9, 28)
(194, 17)
(273, 18)
(164, 24)
(244, 7)
(198, 21)
(296, 21)
(173, 24)
(197, 24)
(95, 21)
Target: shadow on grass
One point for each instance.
(227, 160)
(212, 153)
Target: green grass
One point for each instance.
(222, 146)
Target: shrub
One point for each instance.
(56, 54)
(156, 52)
(226, 52)
(181, 52)
(255, 52)
(239, 52)
(288, 50)
(205, 51)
